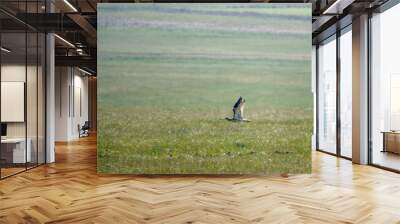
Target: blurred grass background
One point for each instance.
(169, 74)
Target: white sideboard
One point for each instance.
(18, 144)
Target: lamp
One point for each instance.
(64, 40)
(70, 5)
(5, 50)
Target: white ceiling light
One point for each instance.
(70, 5)
(65, 41)
(338, 6)
(84, 71)
(5, 50)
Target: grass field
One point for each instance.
(169, 74)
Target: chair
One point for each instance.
(84, 130)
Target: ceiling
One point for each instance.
(75, 21)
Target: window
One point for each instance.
(346, 93)
(22, 77)
(385, 89)
(327, 96)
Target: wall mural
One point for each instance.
(204, 88)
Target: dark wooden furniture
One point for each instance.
(391, 141)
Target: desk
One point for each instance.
(13, 150)
(391, 141)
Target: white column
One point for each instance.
(360, 90)
(50, 100)
(50, 92)
(314, 92)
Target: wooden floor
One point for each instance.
(5, 172)
(70, 191)
(387, 159)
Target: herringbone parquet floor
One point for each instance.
(70, 191)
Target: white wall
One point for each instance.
(70, 83)
(62, 82)
(79, 117)
(33, 127)
(12, 73)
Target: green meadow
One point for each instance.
(169, 74)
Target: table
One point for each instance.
(391, 141)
